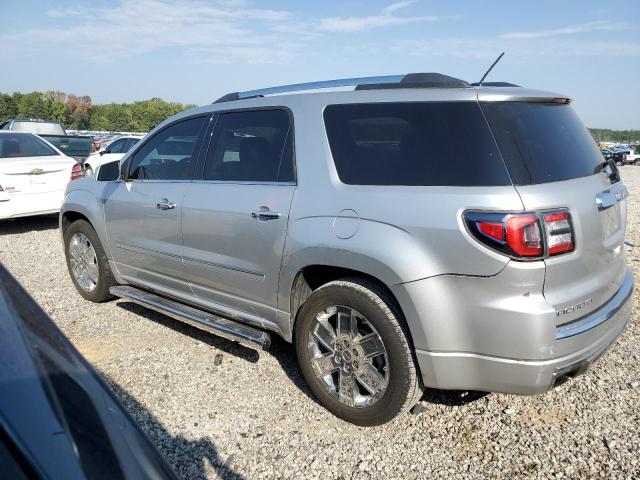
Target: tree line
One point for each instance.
(79, 113)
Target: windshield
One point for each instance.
(542, 142)
(41, 128)
(20, 145)
(15, 145)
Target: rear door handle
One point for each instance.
(165, 205)
(263, 213)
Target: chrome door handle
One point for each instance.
(165, 205)
(263, 213)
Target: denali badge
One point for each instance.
(573, 308)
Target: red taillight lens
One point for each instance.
(492, 229)
(559, 232)
(523, 235)
(76, 172)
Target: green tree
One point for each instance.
(8, 107)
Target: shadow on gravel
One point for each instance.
(28, 224)
(227, 346)
(285, 354)
(187, 457)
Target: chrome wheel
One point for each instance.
(84, 262)
(348, 356)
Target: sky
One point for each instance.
(194, 51)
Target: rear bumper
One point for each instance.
(31, 204)
(576, 346)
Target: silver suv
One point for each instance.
(403, 232)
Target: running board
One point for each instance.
(206, 321)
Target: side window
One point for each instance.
(116, 147)
(168, 154)
(129, 144)
(251, 146)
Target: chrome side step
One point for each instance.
(206, 321)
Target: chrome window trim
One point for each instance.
(246, 182)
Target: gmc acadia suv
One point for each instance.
(415, 231)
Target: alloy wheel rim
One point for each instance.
(348, 356)
(84, 262)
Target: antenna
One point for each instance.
(490, 68)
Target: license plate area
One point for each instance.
(611, 221)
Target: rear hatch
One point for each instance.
(32, 175)
(554, 164)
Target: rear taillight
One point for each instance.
(76, 172)
(559, 232)
(530, 235)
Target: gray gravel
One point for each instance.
(218, 410)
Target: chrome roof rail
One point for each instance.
(411, 80)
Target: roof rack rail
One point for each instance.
(494, 84)
(410, 80)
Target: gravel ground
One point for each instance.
(218, 410)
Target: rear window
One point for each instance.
(542, 142)
(14, 145)
(428, 143)
(40, 128)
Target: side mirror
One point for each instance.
(109, 172)
(102, 151)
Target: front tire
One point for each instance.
(354, 351)
(87, 262)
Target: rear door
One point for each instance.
(552, 159)
(143, 213)
(235, 215)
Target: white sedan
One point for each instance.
(33, 175)
(114, 151)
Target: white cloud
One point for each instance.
(516, 50)
(385, 19)
(394, 7)
(598, 25)
(63, 13)
(142, 26)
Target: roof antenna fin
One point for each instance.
(490, 68)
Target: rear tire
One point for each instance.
(637, 162)
(87, 262)
(343, 370)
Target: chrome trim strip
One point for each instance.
(226, 267)
(340, 82)
(610, 197)
(608, 310)
(147, 251)
(245, 182)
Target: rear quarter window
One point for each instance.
(414, 144)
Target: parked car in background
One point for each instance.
(33, 175)
(78, 147)
(113, 151)
(414, 231)
(58, 418)
(619, 158)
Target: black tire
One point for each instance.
(404, 387)
(637, 162)
(105, 277)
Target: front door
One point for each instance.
(234, 217)
(143, 212)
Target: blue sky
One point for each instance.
(195, 51)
